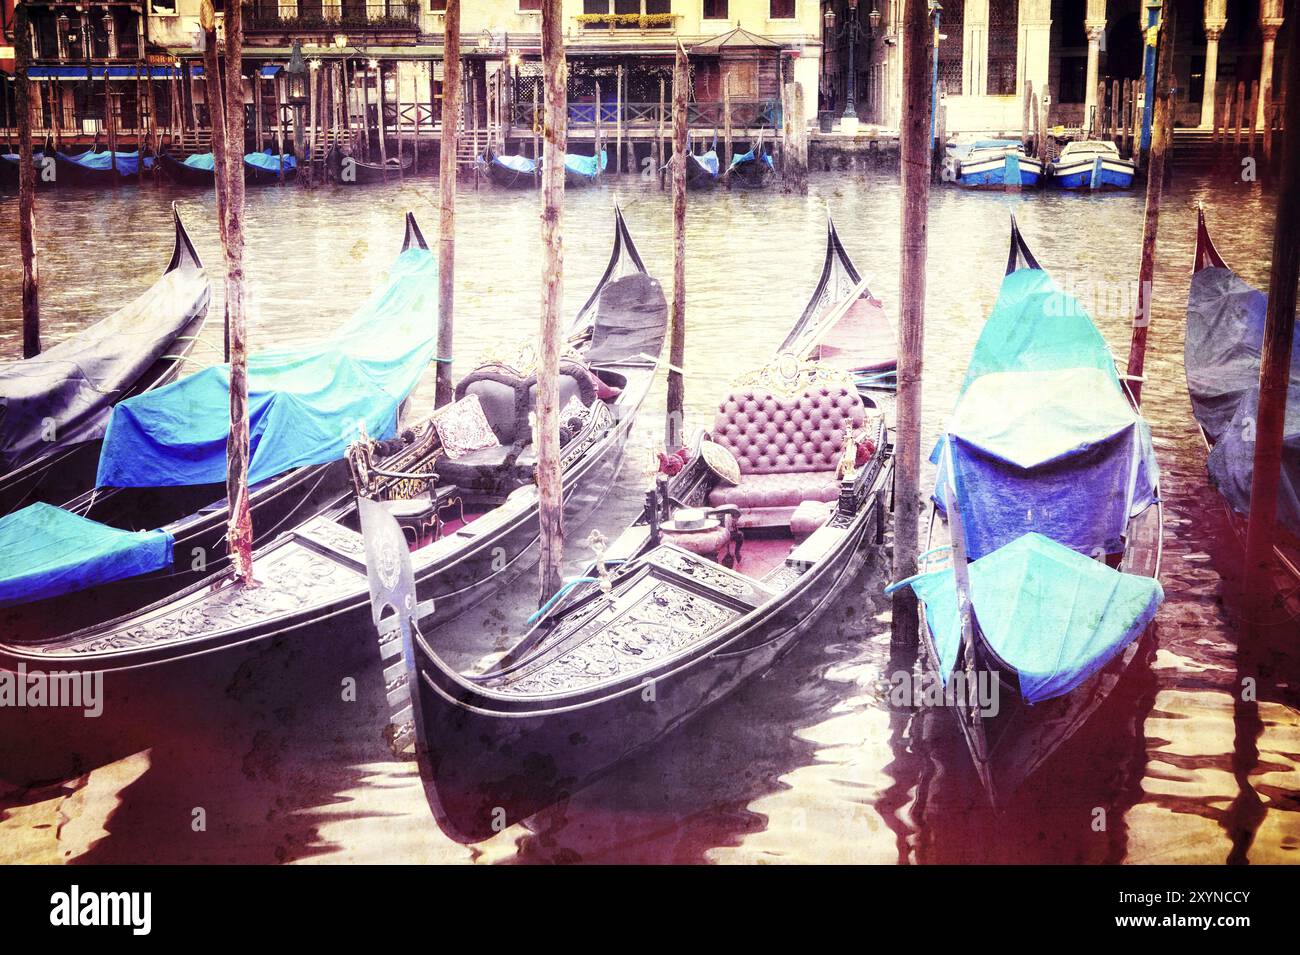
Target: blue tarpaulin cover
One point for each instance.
(516, 163)
(1043, 437)
(270, 161)
(201, 161)
(1056, 616)
(1225, 333)
(709, 161)
(128, 164)
(740, 158)
(585, 165)
(304, 405)
(46, 551)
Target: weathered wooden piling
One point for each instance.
(659, 137)
(26, 184)
(914, 168)
(726, 129)
(279, 124)
(547, 438)
(443, 391)
(216, 110)
(1161, 139)
(677, 315)
(1275, 356)
(239, 529)
(110, 124)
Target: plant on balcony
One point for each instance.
(642, 20)
(320, 23)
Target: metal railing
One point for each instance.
(305, 15)
(745, 114)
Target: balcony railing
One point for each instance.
(268, 16)
(745, 114)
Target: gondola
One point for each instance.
(1091, 164)
(751, 170)
(156, 519)
(845, 325)
(509, 172)
(68, 391)
(96, 169)
(702, 170)
(196, 170)
(472, 518)
(582, 170)
(263, 168)
(712, 584)
(1039, 579)
(353, 172)
(1225, 327)
(9, 171)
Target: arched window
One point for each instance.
(1004, 29)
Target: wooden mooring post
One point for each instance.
(726, 129)
(914, 167)
(239, 528)
(676, 408)
(1275, 357)
(659, 137)
(216, 111)
(279, 123)
(447, 150)
(1162, 122)
(26, 184)
(547, 436)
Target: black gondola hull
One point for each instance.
(507, 178)
(492, 761)
(177, 172)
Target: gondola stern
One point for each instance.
(1020, 257)
(1206, 256)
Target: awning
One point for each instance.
(67, 72)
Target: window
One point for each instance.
(620, 8)
(952, 28)
(524, 5)
(715, 10)
(781, 10)
(437, 6)
(1004, 17)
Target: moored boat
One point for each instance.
(751, 170)
(584, 170)
(734, 558)
(1091, 164)
(195, 170)
(67, 392)
(468, 537)
(702, 169)
(1047, 507)
(156, 517)
(1225, 333)
(9, 171)
(510, 172)
(991, 163)
(263, 168)
(844, 325)
(92, 168)
(351, 171)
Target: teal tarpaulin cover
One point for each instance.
(128, 164)
(270, 161)
(1043, 437)
(709, 161)
(46, 551)
(738, 159)
(304, 405)
(201, 161)
(1054, 615)
(516, 163)
(585, 165)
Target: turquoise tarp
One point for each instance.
(46, 551)
(1054, 615)
(201, 161)
(585, 165)
(270, 161)
(304, 405)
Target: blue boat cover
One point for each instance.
(304, 405)
(585, 165)
(1056, 616)
(518, 163)
(1043, 437)
(46, 551)
(709, 161)
(1225, 333)
(128, 164)
(270, 161)
(201, 161)
(740, 158)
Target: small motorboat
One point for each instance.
(989, 163)
(1091, 164)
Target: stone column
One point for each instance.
(1213, 30)
(1034, 55)
(1270, 21)
(1095, 31)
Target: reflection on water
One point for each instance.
(809, 763)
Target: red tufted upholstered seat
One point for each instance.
(787, 449)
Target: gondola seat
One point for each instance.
(787, 447)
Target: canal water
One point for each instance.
(811, 763)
